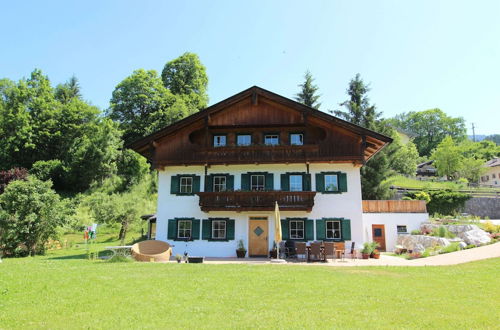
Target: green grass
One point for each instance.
(62, 290)
(409, 183)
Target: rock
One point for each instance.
(410, 242)
(418, 248)
(462, 245)
(477, 237)
(460, 229)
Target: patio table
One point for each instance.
(123, 250)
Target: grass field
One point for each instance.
(404, 182)
(63, 290)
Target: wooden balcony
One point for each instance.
(256, 200)
(260, 153)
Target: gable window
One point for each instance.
(271, 140)
(218, 229)
(295, 182)
(219, 140)
(257, 182)
(184, 229)
(296, 229)
(186, 185)
(296, 139)
(244, 140)
(332, 229)
(219, 183)
(331, 182)
(402, 230)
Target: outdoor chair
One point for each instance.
(290, 249)
(315, 252)
(300, 250)
(152, 250)
(340, 250)
(329, 251)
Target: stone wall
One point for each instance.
(483, 207)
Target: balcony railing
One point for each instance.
(257, 200)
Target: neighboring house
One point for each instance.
(491, 176)
(426, 169)
(404, 135)
(221, 170)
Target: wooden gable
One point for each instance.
(258, 112)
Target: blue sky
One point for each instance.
(415, 54)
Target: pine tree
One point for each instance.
(308, 91)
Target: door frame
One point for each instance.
(258, 218)
(383, 247)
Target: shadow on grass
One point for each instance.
(70, 257)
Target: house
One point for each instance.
(491, 176)
(426, 169)
(221, 170)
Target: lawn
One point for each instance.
(63, 290)
(410, 183)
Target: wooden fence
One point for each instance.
(392, 206)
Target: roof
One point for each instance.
(493, 162)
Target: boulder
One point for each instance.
(418, 248)
(460, 229)
(410, 242)
(462, 245)
(477, 237)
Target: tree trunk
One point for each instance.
(123, 232)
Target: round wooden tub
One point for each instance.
(152, 250)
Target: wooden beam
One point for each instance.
(255, 98)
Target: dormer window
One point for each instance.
(271, 139)
(297, 139)
(219, 140)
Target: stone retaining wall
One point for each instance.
(483, 207)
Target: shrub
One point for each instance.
(441, 231)
(16, 173)
(470, 246)
(443, 201)
(118, 258)
(490, 227)
(455, 246)
(416, 232)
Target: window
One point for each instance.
(331, 182)
(493, 176)
(219, 183)
(219, 140)
(257, 182)
(296, 139)
(402, 230)
(184, 229)
(295, 182)
(271, 140)
(186, 185)
(332, 229)
(296, 229)
(244, 140)
(218, 229)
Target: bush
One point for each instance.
(416, 232)
(455, 246)
(118, 258)
(490, 227)
(441, 231)
(470, 246)
(443, 201)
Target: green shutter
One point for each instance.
(269, 182)
(172, 229)
(306, 182)
(245, 182)
(196, 184)
(342, 182)
(285, 182)
(230, 229)
(230, 183)
(209, 183)
(309, 230)
(284, 230)
(346, 229)
(195, 232)
(206, 229)
(320, 182)
(320, 230)
(174, 184)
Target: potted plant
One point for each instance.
(178, 257)
(376, 254)
(374, 246)
(241, 251)
(367, 250)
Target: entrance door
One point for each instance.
(378, 234)
(257, 237)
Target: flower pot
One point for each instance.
(376, 256)
(241, 253)
(365, 255)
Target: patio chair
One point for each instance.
(315, 252)
(329, 250)
(283, 252)
(300, 250)
(340, 250)
(354, 253)
(290, 248)
(152, 250)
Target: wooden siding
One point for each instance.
(390, 206)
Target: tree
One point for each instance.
(30, 212)
(186, 76)
(471, 169)
(142, 105)
(447, 158)
(359, 111)
(68, 91)
(11, 175)
(405, 156)
(431, 127)
(308, 90)
(494, 137)
(484, 150)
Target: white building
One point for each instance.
(222, 169)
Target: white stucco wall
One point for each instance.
(346, 205)
(412, 221)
